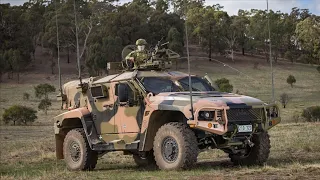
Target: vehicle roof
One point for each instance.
(72, 84)
(138, 74)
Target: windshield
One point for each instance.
(158, 85)
(198, 84)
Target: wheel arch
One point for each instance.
(63, 123)
(157, 119)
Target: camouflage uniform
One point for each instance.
(138, 56)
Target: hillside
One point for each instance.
(244, 77)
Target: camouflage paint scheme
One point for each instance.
(113, 125)
(138, 56)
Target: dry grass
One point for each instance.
(28, 152)
(295, 153)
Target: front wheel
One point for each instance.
(256, 155)
(77, 152)
(175, 147)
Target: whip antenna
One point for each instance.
(190, 84)
(77, 41)
(58, 46)
(270, 57)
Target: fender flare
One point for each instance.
(70, 120)
(156, 120)
(75, 113)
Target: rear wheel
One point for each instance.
(256, 155)
(175, 147)
(77, 152)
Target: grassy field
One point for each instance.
(27, 152)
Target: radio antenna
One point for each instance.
(190, 82)
(58, 48)
(270, 54)
(77, 41)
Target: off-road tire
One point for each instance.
(258, 154)
(185, 140)
(87, 159)
(147, 161)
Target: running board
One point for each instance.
(115, 145)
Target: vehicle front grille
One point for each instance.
(244, 114)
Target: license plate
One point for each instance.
(244, 128)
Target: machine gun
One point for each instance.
(159, 58)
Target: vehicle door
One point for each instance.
(103, 109)
(128, 116)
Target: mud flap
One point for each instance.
(59, 146)
(90, 130)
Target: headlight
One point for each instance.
(206, 115)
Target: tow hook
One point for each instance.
(248, 142)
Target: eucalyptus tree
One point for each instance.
(33, 16)
(241, 23)
(181, 7)
(76, 20)
(15, 40)
(308, 35)
(209, 24)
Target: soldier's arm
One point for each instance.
(130, 56)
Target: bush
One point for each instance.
(26, 96)
(284, 99)
(291, 80)
(44, 105)
(318, 69)
(303, 58)
(224, 85)
(296, 117)
(289, 55)
(19, 115)
(43, 90)
(311, 114)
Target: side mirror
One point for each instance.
(122, 93)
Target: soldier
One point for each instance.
(137, 57)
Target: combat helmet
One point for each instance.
(140, 42)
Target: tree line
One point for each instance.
(103, 28)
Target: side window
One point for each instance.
(126, 92)
(100, 91)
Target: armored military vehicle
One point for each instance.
(147, 112)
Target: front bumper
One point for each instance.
(259, 117)
(214, 127)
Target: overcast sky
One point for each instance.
(232, 6)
